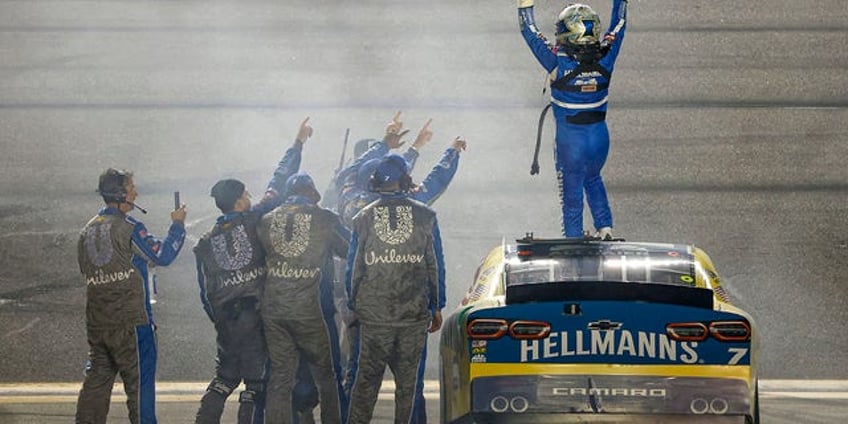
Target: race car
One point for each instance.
(591, 331)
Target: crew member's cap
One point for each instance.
(391, 169)
(301, 184)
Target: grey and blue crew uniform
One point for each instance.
(579, 95)
(300, 239)
(231, 275)
(114, 250)
(336, 195)
(247, 221)
(395, 281)
(356, 198)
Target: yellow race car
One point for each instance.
(589, 331)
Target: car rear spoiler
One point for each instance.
(611, 291)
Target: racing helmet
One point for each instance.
(578, 24)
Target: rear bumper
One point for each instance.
(601, 396)
(602, 419)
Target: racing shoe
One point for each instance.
(604, 233)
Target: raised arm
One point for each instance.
(391, 140)
(441, 175)
(347, 176)
(615, 34)
(533, 37)
(159, 252)
(288, 166)
(424, 136)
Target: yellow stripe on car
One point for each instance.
(740, 372)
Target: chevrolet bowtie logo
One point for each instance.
(604, 325)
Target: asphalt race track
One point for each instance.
(727, 122)
(782, 402)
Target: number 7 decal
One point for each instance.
(738, 354)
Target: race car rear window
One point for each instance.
(647, 267)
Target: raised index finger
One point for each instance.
(304, 121)
(427, 125)
(396, 117)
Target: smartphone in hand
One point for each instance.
(176, 200)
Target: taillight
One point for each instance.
(730, 331)
(529, 330)
(687, 331)
(524, 253)
(487, 328)
(723, 331)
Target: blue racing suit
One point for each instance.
(579, 100)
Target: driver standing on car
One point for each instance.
(580, 68)
(395, 273)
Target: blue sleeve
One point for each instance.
(159, 252)
(535, 39)
(439, 178)
(201, 280)
(288, 166)
(351, 259)
(618, 23)
(411, 156)
(440, 264)
(378, 150)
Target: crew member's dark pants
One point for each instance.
(241, 356)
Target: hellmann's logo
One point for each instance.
(625, 343)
